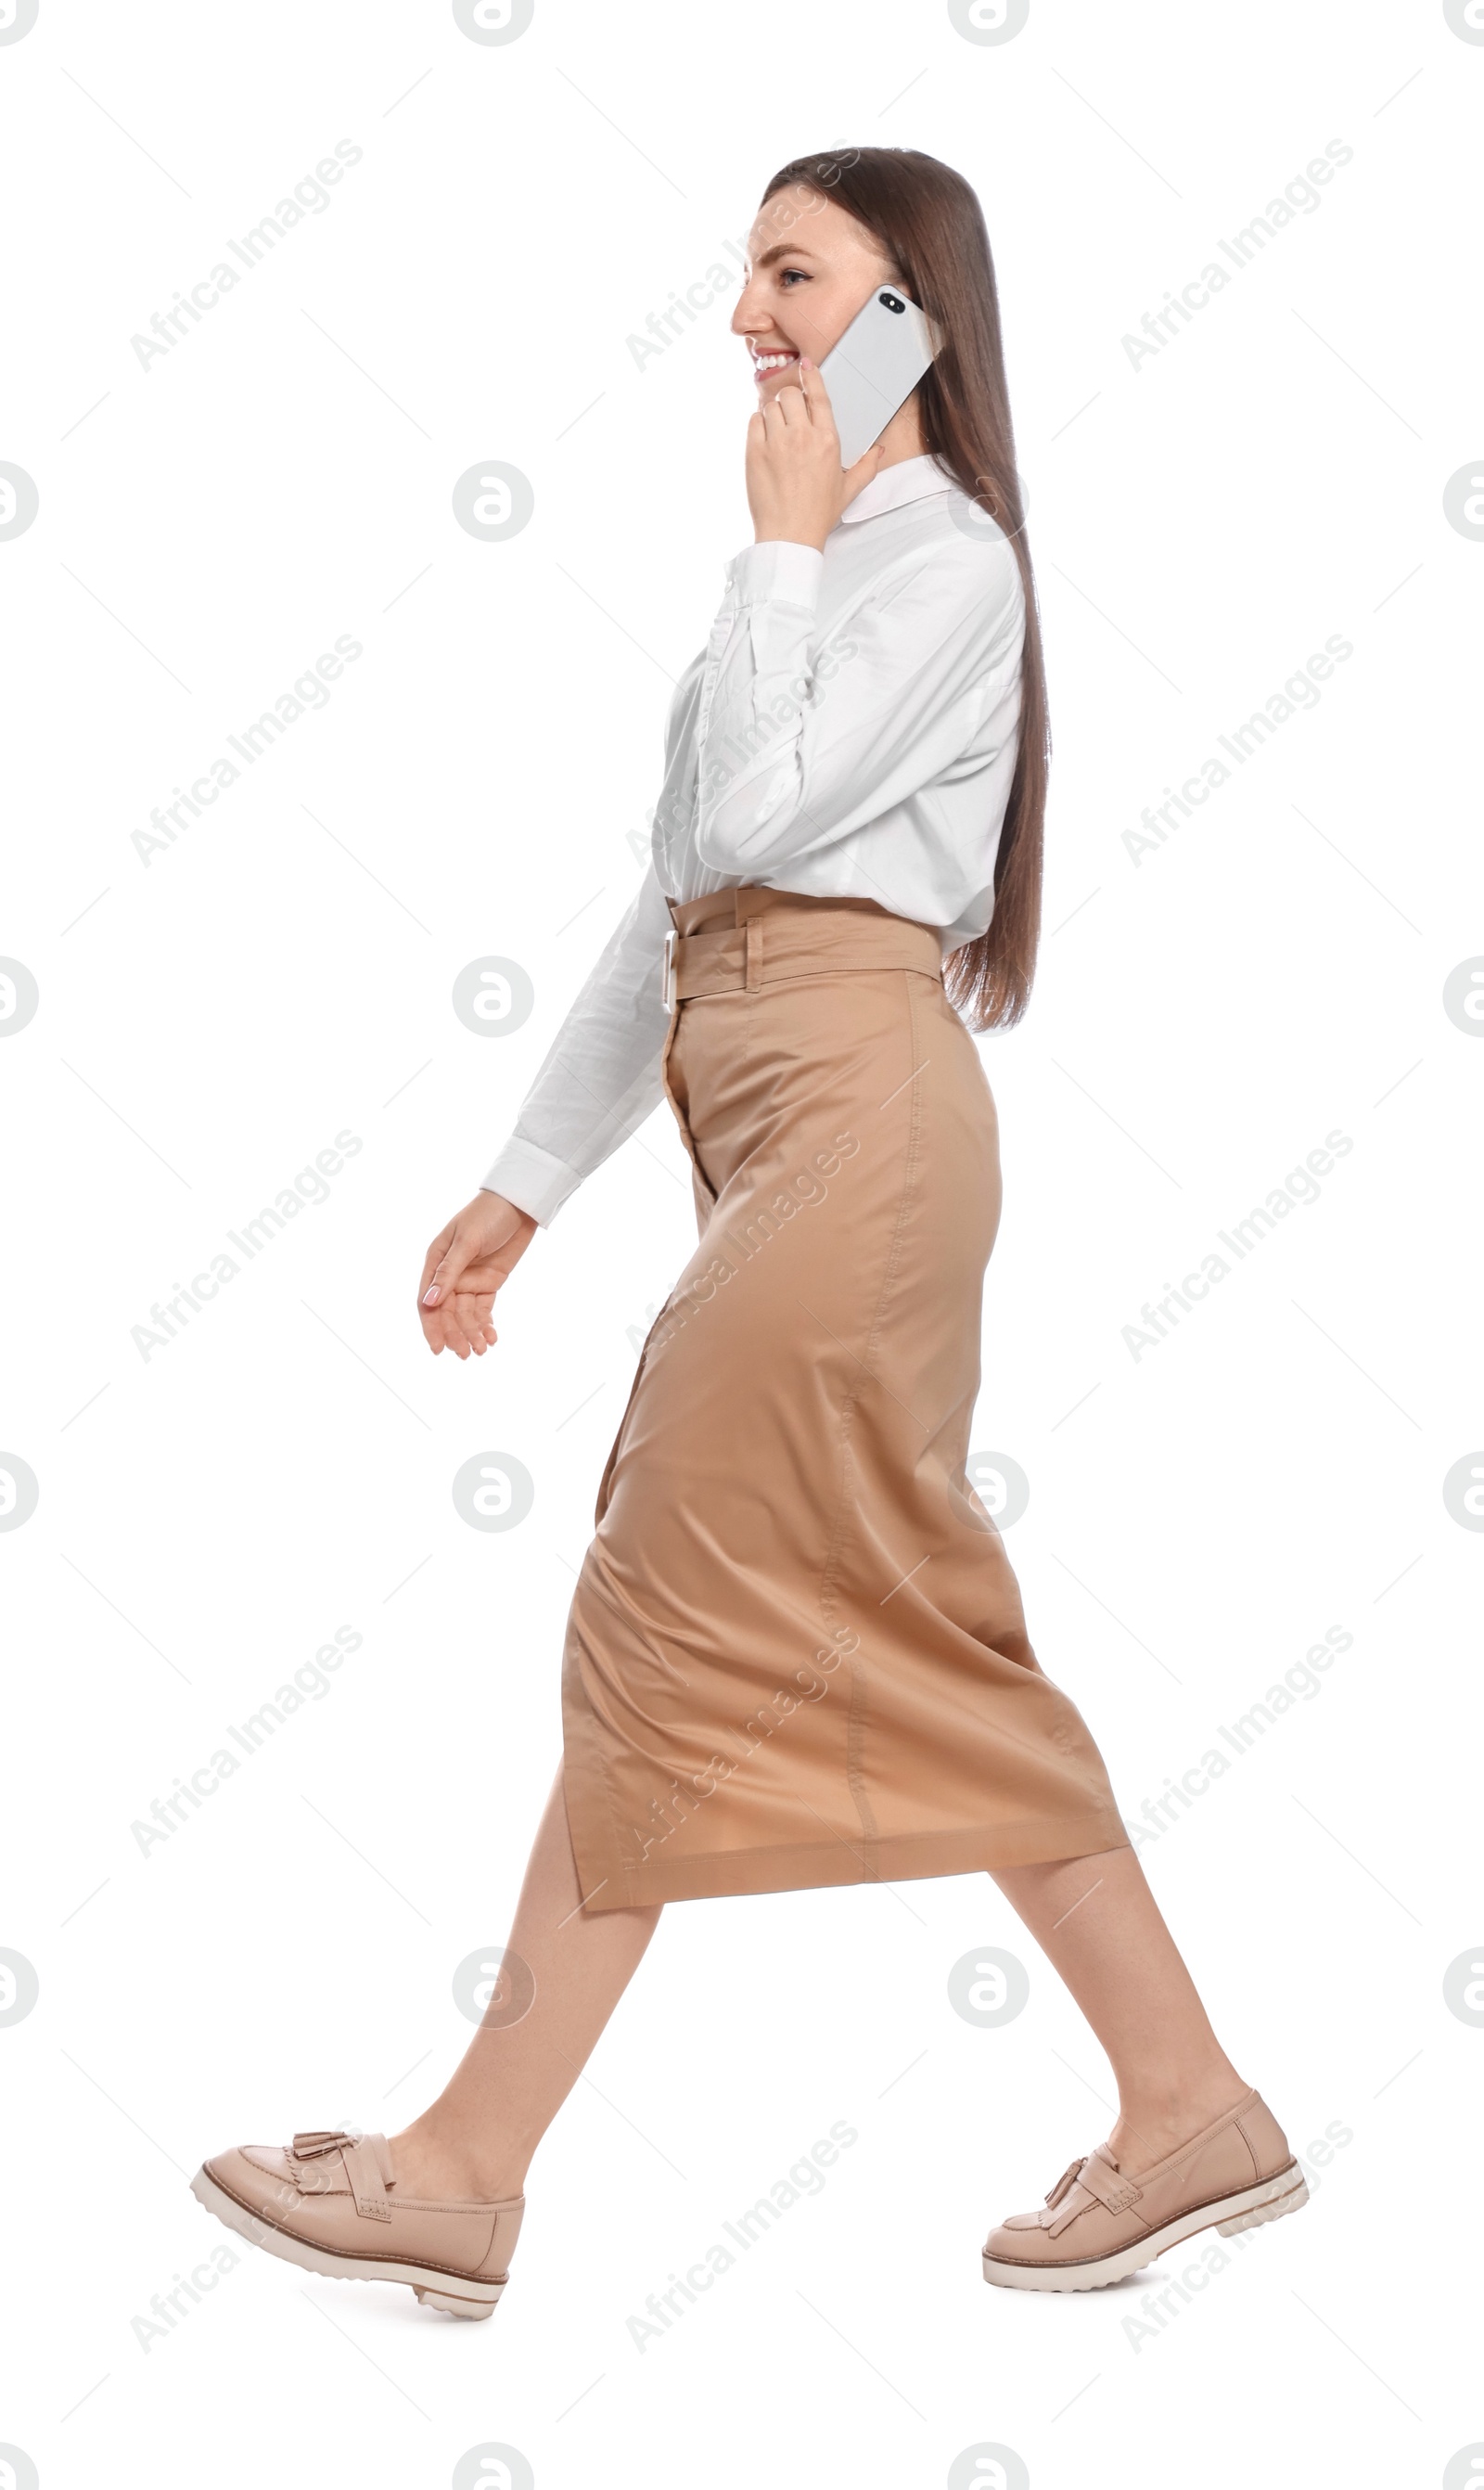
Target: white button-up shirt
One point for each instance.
(848, 729)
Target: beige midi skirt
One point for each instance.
(797, 1653)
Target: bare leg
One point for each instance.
(478, 2138)
(1099, 1926)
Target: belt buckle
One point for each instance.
(668, 973)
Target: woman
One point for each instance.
(797, 1655)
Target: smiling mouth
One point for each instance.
(774, 361)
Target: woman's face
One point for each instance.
(811, 268)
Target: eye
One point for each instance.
(785, 274)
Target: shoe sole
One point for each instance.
(1267, 2202)
(457, 2294)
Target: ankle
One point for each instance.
(1155, 2120)
(439, 2159)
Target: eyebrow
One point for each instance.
(783, 250)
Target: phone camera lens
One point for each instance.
(892, 302)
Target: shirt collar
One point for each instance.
(906, 480)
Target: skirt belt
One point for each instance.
(742, 940)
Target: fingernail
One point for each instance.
(431, 1299)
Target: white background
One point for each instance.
(208, 1023)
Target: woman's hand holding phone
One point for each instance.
(464, 1266)
(796, 488)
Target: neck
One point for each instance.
(903, 435)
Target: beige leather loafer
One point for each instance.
(1099, 2224)
(329, 2202)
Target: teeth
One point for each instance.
(772, 362)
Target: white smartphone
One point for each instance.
(876, 368)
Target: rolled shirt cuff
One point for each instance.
(778, 570)
(535, 1181)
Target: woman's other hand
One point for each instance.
(796, 488)
(465, 1264)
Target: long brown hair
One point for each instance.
(928, 221)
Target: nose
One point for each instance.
(749, 319)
